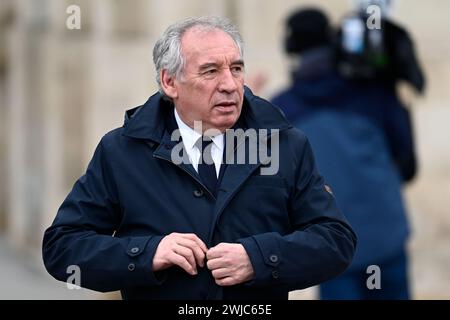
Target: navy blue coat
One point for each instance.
(362, 138)
(132, 195)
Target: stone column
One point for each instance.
(5, 23)
(21, 175)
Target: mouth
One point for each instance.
(226, 106)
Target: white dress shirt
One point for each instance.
(190, 137)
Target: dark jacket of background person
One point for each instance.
(288, 223)
(362, 138)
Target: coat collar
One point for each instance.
(149, 120)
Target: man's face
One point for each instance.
(211, 85)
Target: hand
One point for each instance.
(229, 263)
(185, 250)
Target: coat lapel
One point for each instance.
(164, 151)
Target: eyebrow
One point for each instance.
(205, 66)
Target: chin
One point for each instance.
(227, 122)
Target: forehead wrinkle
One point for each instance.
(197, 51)
(200, 46)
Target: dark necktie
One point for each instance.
(206, 167)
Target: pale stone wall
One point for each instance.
(65, 88)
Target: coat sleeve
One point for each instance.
(400, 136)
(82, 236)
(321, 245)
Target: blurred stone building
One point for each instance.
(61, 90)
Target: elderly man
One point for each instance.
(213, 225)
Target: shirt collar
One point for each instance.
(190, 136)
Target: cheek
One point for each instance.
(202, 91)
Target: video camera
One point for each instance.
(376, 51)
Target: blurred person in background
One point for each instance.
(142, 222)
(362, 137)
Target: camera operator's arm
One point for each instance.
(399, 131)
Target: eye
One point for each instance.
(210, 72)
(237, 69)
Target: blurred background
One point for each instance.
(62, 89)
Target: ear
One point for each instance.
(168, 84)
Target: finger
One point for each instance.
(198, 252)
(213, 253)
(220, 273)
(199, 241)
(224, 282)
(182, 262)
(215, 263)
(187, 254)
(199, 255)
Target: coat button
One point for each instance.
(275, 274)
(273, 258)
(135, 250)
(131, 267)
(198, 193)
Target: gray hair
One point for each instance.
(167, 51)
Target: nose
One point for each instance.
(228, 82)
